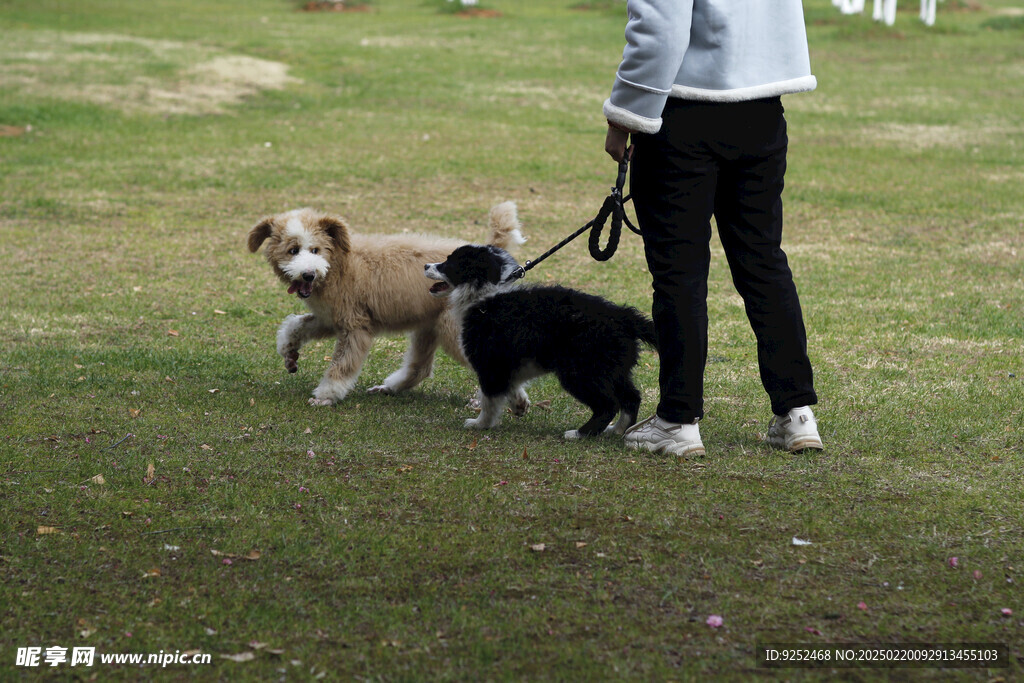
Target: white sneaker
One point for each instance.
(795, 431)
(661, 436)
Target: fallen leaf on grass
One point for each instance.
(173, 333)
(219, 312)
(43, 530)
(84, 629)
(471, 446)
(98, 479)
(134, 412)
(800, 541)
(155, 571)
(538, 547)
(150, 473)
(544, 405)
(240, 657)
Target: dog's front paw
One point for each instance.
(475, 423)
(321, 401)
(520, 404)
(381, 389)
(573, 435)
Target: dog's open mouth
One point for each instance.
(440, 288)
(302, 288)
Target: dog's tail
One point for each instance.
(643, 328)
(505, 226)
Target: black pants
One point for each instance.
(726, 160)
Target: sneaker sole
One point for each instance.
(808, 443)
(805, 445)
(669, 447)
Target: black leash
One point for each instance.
(614, 206)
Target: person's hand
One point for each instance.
(615, 142)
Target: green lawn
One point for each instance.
(377, 539)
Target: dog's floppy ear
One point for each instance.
(336, 228)
(260, 232)
(493, 271)
(495, 264)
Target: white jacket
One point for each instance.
(707, 50)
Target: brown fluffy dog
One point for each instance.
(359, 286)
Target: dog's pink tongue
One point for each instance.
(293, 287)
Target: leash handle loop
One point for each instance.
(614, 206)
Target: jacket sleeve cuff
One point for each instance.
(627, 119)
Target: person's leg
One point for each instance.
(673, 185)
(748, 213)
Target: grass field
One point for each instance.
(165, 487)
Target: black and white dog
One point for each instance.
(511, 335)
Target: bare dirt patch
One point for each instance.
(477, 13)
(334, 6)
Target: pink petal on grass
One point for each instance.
(812, 630)
(977, 574)
(862, 606)
(1006, 612)
(715, 621)
(953, 562)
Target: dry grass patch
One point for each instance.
(133, 74)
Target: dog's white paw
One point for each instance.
(476, 423)
(381, 389)
(573, 435)
(321, 401)
(520, 404)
